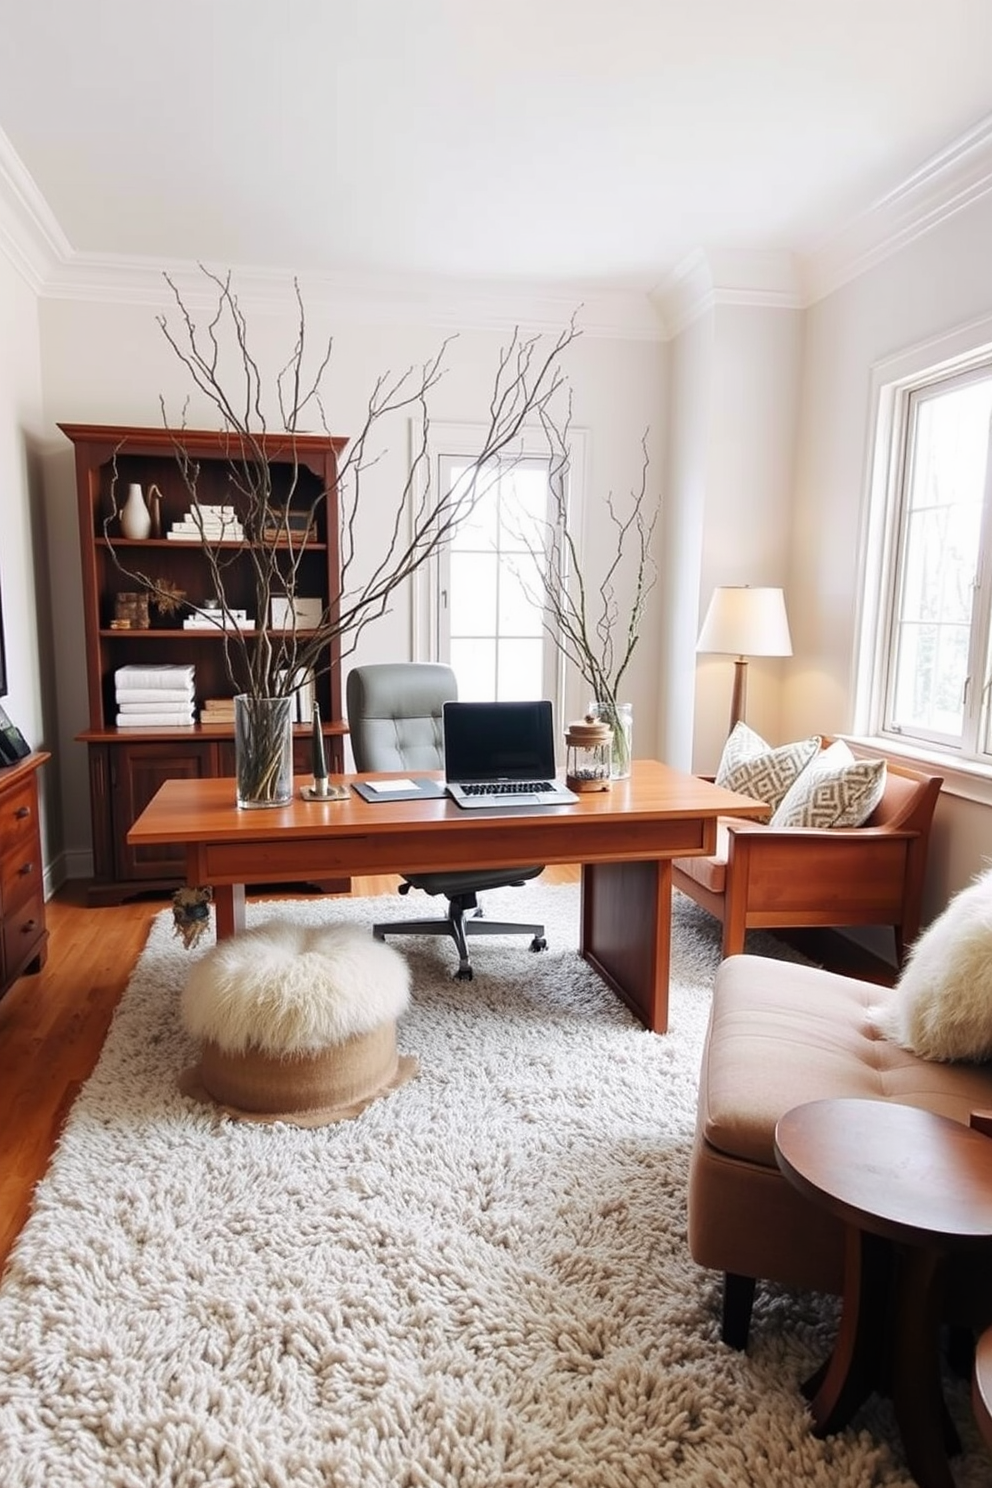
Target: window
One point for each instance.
(481, 600)
(933, 631)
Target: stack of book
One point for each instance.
(212, 617)
(154, 696)
(297, 526)
(217, 710)
(302, 687)
(214, 523)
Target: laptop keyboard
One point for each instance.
(507, 787)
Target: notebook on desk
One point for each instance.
(501, 754)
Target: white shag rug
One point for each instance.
(483, 1281)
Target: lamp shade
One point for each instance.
(742, 621)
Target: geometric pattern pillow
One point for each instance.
(753, 768)
(836, 790)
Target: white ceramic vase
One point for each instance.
(136, 520)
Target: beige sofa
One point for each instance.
(781, 1034)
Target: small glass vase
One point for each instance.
(621, 721)
(263, 750)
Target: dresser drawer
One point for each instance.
(20, 875)
(18, 819)
(23, 932)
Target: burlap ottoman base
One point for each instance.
(333, 1084)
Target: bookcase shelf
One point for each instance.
(127, 765)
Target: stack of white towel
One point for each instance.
(154, 696)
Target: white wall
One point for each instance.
(935, 284)
(109, 364)
(24, 581)
(735, 389)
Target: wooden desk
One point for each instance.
(624, 838)
(912, 1188)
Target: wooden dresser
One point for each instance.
(23, 935)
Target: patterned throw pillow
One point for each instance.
(753, 768)
(835, 790)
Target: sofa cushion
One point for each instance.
(782, 1034)
(753, 768)
(835, 790)
(942, 1005)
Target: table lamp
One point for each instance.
(744, 622)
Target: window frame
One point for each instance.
(964, 352)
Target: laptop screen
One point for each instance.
(498, 741)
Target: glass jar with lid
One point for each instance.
(588, 757)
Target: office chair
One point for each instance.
(394, 718)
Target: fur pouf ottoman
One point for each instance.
(297, 1024)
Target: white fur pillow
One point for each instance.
(294, 989)
(942, 1004)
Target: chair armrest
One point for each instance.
(819, 834)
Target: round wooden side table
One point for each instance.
(910, 1188)
(981, 1385)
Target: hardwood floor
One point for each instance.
(52, 1025)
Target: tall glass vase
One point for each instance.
(263, 750)
(621, 721)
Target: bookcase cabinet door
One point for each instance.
(137, 772)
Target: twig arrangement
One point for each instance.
(595, 631)
(269, 662)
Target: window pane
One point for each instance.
(941, 534)
(474, 665)
(520, 672)
(930, 674)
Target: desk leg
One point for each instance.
(229, 909)
(627, 932)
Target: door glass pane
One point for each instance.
(474, 664)
(478, 529)
(473, 594)
(520, 670)
(494, 617)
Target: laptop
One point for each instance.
(501, 754)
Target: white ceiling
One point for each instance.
(506, 140)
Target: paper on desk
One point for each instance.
(386, 786)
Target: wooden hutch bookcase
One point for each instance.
(127, 765)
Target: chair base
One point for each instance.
(458, 926)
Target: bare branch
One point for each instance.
(412, 528)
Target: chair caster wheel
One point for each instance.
(539, 943)
(463, 974)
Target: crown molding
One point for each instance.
(706, 279)
(943, 185)
(960, 174)
(448, 304)
(30, 236)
